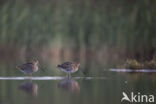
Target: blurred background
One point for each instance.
(100, 34)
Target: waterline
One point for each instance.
(134, 70)
(46, 78)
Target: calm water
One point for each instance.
(85, 90)
(101, 34)
(100, 85)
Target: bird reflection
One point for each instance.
(29, 87)
(69, 85)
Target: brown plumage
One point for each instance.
(29, 68)
(69, 67)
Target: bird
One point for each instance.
(69, 67)
(29, 68)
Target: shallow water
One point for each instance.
(96, 33)
(85, 90)
(48, 78)
(134, 70)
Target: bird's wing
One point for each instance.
(26, 66)
(67, 65)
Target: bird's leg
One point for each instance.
(68, 75)
(31, 75)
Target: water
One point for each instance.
(99, 85)
(100, 34)
(136, 70)
(47, 78)
(85, 90)
(57, 91)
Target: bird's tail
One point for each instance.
(58, 66)
(17, 67)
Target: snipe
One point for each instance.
(29, 68)
(69, 67)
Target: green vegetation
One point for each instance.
(101, 32)
(151, 64)
(98, 33)
(134, 64)
(123, 26)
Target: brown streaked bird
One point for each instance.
(29, 68)
(69, 67)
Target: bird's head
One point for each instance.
(35, 62)
(77, 64)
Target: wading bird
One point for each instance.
(69, 67)
(29, 68)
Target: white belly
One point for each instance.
(70, 71)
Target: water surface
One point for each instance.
(85, 90)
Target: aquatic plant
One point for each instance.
(150, 64)
(133, 64)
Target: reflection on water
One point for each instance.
(99, 33)
(29, 87)
(70, 85)
(89, 90)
